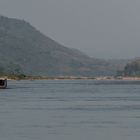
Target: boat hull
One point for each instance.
(3, 83)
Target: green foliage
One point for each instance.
(2, 71)
(12, 70)
(131, 69)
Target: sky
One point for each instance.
(100, 28)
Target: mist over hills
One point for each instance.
(26, 50)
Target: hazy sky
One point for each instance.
(101, 28)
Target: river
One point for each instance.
(70, 110)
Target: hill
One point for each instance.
(131, 69)
(24, 49)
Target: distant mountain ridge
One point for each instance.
(25, 49)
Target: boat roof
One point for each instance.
(3, 78)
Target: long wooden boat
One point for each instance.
(3, 83)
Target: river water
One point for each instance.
(70, 110)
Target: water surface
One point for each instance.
(70, 110)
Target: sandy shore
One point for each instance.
(109, 78)
(127, 78)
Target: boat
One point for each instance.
(3, 83)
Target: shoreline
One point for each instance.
(101, 78)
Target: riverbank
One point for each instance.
(127, 78)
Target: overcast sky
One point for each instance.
(100, 28)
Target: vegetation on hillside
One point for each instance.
(24, 49)
(131, 69)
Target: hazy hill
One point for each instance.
(24, 49)
(131, 69)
